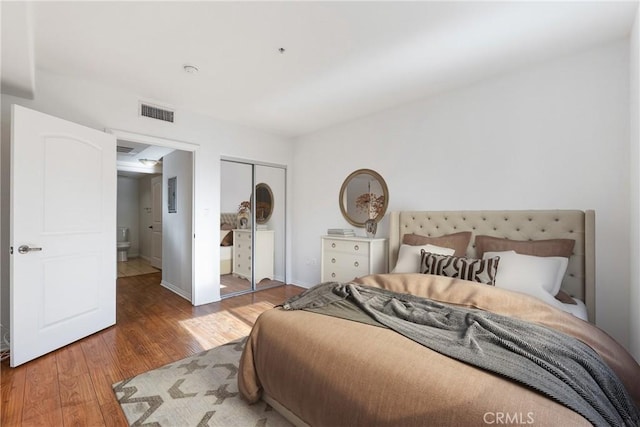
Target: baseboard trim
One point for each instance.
(176, 290)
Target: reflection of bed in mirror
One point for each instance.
(227, 224)
(226, 252)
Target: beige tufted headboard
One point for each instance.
(228, 218)
(579, 281)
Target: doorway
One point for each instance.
(252, 226)
(155, 204)
(136, 212)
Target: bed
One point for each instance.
(319, 369)
(226, 254)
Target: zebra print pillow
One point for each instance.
(475, 270)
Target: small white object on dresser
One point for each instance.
(345, 258)
(242, 254)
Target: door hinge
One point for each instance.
(11, 250)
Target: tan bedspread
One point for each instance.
(329, 371)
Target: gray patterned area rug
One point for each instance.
(200, 390)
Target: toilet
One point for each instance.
(123, 244)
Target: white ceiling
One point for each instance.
(131, 153)
(343, 60)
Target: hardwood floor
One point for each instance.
(72, 386)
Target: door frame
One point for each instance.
(178, 145)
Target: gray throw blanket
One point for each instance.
(557, 365)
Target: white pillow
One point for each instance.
(540, 277)
(409, 257)
(564, 262)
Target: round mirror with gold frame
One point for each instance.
(364, 195)
(264, 203)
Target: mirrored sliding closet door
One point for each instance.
(252, 226)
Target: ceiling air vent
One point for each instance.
(121, 149)
(157, 113)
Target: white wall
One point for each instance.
(176, 226)
(634, 300)
(102, 107)
(128, 209)
(552, 136)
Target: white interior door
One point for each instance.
(63, 233)
(156, 224)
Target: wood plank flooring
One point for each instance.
(72, 386)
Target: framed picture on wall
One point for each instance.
(171, 197)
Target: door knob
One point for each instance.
(23, 249)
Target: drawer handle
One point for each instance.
(333, 260)
(356, 247)
(333, 274)
(356, 264)
(333, 245)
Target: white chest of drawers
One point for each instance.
(264, 256)
(345, 258)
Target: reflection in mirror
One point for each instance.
(235, 237)
(264, 203)
(270, 226)
(364, 195)
(252, 252)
